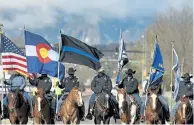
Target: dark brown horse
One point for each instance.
(184, 113)
(42, 108)
(154, 110)
(127, 109)
(18, 108)
(69, 111)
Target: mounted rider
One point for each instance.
(185, 90)
(101, 84)
(45, 83)
(68, 84)
(17, 82)
(156, 88)
(131, 85)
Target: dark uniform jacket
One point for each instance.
(42, 82)
(131, 85)
(185, 88)
(68, 83)
(101, 83)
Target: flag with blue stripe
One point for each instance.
(76, 52)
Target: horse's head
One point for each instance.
(76, 96)
(121, 96)
(15, 100)
(39, 96)
(153, 99)
(103, 99)
(185, 108)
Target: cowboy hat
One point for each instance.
(186, 76)
(130, 71)
(71, 71)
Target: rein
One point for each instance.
(16, 99)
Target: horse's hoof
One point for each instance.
(89, 116)
(83, 119)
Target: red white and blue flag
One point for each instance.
(41, 57)
(13, 58)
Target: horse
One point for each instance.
(42, 108)
(18, 108)
(70, 109)
(103, 109)
(154, 110)
(184, 113)
(128, 110)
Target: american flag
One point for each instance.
(13, 58)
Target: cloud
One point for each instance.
(37, 14)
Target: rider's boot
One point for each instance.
(89, 115)
(116, 112)
(142, 119)
(168, 116)
(82, 112)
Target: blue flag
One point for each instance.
(41, 58)
(157, 64)
(176, 70)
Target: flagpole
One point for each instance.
(172, 46)
(31, 93)
(59, 51)
(2, 84)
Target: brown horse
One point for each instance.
(42, 109)
(154, 111)
(184, 113)
(70, 112)
(127, 109)
(18, 108)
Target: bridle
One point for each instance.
(188, 113)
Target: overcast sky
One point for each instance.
(41, 14)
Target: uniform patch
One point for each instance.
(45, 80)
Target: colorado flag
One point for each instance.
(41, 58)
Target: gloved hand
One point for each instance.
(173, 88)
(57, 83)
(5, 82)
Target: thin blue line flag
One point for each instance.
(76, 52)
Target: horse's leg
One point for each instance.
(37, 120)
(133, 114)
(12, 119)
(106, 121)
(24, 120)
(97, 120)
(65, 121)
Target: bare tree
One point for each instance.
(174, 25)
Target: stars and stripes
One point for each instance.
(13, 58)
